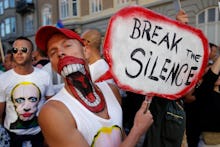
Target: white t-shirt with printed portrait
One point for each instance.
(24, 95)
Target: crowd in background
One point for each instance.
(192, 118)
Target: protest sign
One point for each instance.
(153, 55)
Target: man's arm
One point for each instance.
(216, 66)
(2, 110)
(142, 121)
(58, 126)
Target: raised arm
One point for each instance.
(142, 121)
(216, 66)
(182, 17)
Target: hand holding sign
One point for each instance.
(151, 54)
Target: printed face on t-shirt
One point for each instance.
(26, 97)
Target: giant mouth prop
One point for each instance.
(79, 82)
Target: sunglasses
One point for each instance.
(23, 50)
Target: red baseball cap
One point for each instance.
(46, 32)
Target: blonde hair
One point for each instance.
(25, 83)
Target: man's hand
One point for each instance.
(182, 17)
(143, 119)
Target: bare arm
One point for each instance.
(216, 66)
(142, 122)
(48, 97)
(58, 126)
(2, 110)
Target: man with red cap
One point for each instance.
(83, 113)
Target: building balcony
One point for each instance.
(23, 7)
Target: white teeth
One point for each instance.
(93, 104)
(62, 73)
(72, 68)
(77, 66)
(69, 68)
(65, 71)
(82, 70)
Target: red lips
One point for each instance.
(26, 114)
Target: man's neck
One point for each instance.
(24, 70)
(94, 59)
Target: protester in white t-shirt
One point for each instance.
(23, 90)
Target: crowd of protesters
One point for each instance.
(61, 94)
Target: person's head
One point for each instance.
(63, 47)
(8, 61)
(25, 97)
(38, 55)
(65, 50)
(92, 41)
(22, 51)
(92, 37)
(213, 51)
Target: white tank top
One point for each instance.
(97, 131)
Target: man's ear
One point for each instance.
(84, 48)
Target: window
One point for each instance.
(12, 3)
(64, 8)
(122, 2)
(8, 26)
(74, 7)
(209, 22)
(96, 6)
(13, 25)
(1, 8)
(69, 8)
(6, 4)
(201, 18)
(46, 16)
(211, 15)
(2, 29)
(29, 1)
(29, 27)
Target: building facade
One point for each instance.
(24, 17)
